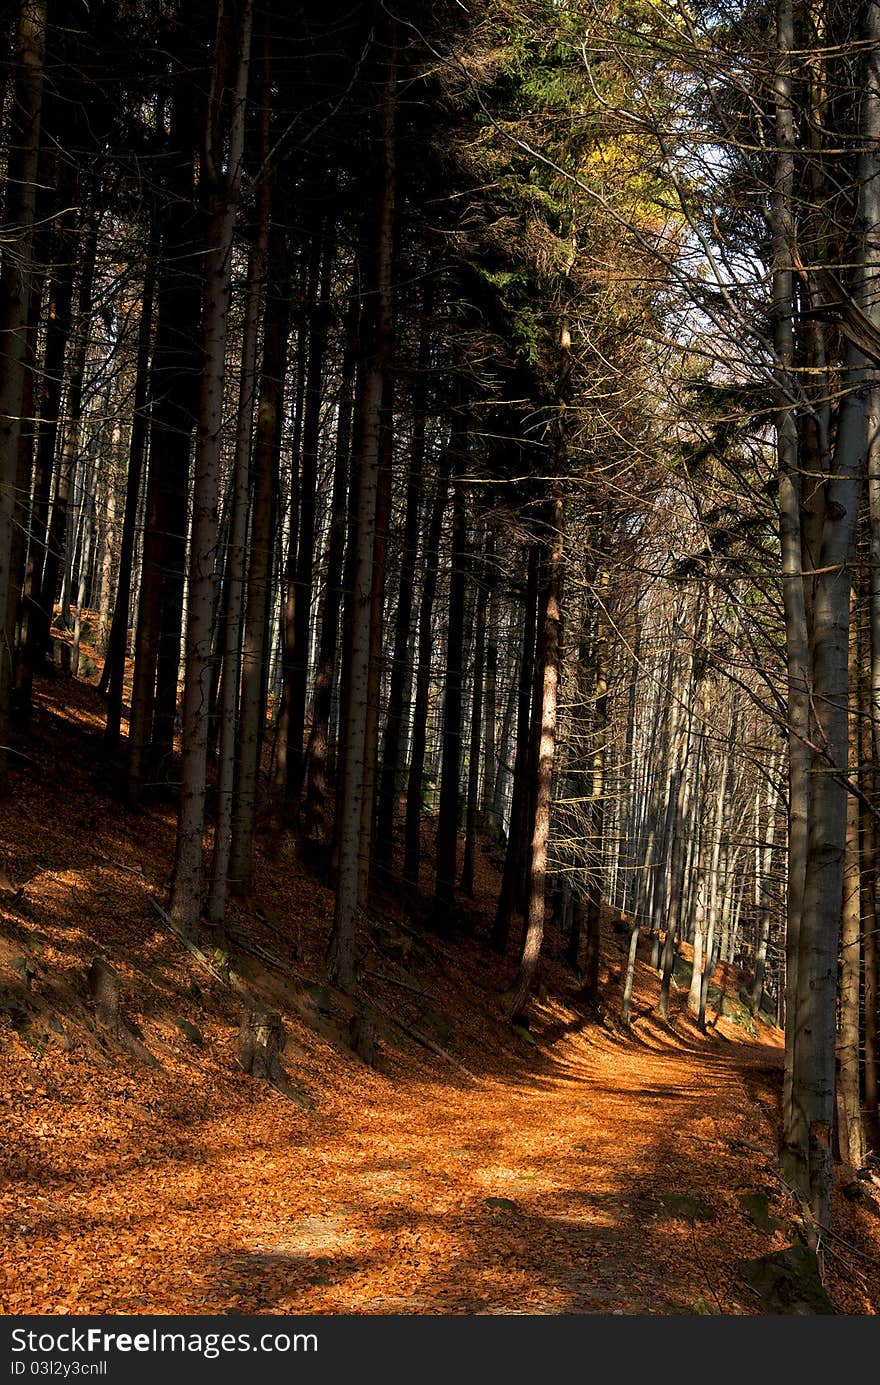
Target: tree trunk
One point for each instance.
(476, 732)
(317, 792)
(377, 613)
(59, 319)
(490, 689)
(793, 595)
(401, 659)
(597, 773)
(305, 549)
(270, 413)
(850, 1129)
(60, 548)
(342, 943)
(219, 191)
(448, 819)
(237, 557)
(500, 933)
(15, 288)
(173, 401)
(413, 821)
(548, 661)
(113, 674)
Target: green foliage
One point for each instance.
(703, 1309)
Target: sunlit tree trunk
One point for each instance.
(793, 597)
(548, 661)
(850, 1128)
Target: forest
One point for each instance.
(440, 658)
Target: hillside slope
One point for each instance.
(573, 1168)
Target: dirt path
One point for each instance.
(579, 1171)
(608, 1185)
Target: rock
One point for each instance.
(789, 1282)
(191, 1032)
(504, 1204)
(681, 973)
(86, 668)
(321, 998)
(439, 1023)
(392, 943)
(685, 1207)
(758, 1207)
(25, 968)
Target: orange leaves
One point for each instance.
(192, 1188)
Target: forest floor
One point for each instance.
(570, 1168)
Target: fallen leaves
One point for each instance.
(569, 1176)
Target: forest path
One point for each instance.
(582, 1169)
(608, 1182)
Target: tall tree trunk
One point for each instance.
(596, 808)
(60, 548)
(113, 674)
(814, 1066)
(869, 180)
(15, 289)
(219, 189)
(412, 839)
(270, 413)
(476, 731)
(793, 595)
(377, 611)
(548, 659)
(305, 550)
(173, 402)
(59, 318)
(401, 659)
(448, 818)
(342, 943)
(850, 1128)
(490, 688)
(237, 558)
(317, 755)
(498, 938)
(813, 1072)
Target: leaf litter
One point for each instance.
(590, 1170)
